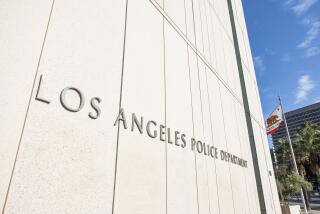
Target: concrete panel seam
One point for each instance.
(183, 36)
(224, 29)
(192, 108)
(120, 104)
(247, 112)
(29, 103)
(210, 114)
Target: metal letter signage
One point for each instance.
(175, 138)
(94, 102)
(152, 129)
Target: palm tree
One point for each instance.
(306, 146)
(307, 143)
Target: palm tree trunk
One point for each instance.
(302, 172)
(306, 197)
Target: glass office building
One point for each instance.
(297, 118)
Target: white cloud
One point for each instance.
(288, 2)
(259, 64)
(286, 58)
(313, 32)
(305, 85)
(312, 51)
(270, 52)
(303, 6)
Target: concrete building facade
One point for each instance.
(144, 106)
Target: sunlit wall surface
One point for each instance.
(128, 107)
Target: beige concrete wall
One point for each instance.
(23, 27)
(170, 65)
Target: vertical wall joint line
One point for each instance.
(247, 111)
(165, 103)
(120, 105)
(28, 108)
(191, 104)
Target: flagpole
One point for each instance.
(275, 160)
(275, 156)
(292, 153)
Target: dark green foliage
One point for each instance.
(306, 146)
(290, 183)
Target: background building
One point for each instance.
(297, 118)
(181, 75)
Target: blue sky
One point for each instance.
(285, 42)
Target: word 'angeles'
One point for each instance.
(176, 138)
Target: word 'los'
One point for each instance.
(64, 102)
